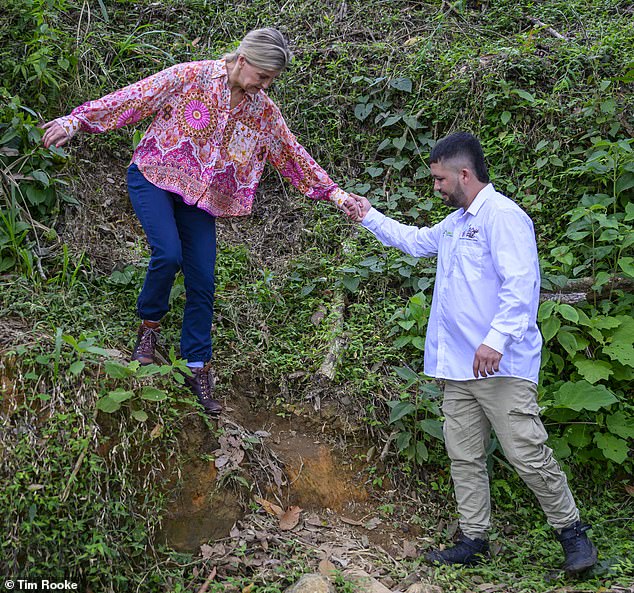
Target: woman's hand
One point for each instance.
(361, 207)
(54, 135)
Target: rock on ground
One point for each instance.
(311, 583)
(364, 581)
(423, 588)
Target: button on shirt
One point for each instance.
(487, 285)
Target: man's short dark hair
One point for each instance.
(461, 145)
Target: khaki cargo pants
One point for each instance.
(509, 406)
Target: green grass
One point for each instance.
(536, 101)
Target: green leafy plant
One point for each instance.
(415, 420)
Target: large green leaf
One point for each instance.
(583, 396)
(432, 427)
(627, 265)
(401, 409)
(621, 424)
(550, 327)
(569, 313)
(624, 353)
(362, 110)
(120, 395)
(107, 404)
(594, 370)
(545, 310)
(139, 415)
(351, 282)
(116, 370)
(612, 447)
(402, 440)
(568, 341)
(153, 394)
(560, 446)
(579, 435)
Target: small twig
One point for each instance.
(386, 447)
(78, 464)
(211, 577)
(546, 28)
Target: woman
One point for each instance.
(201, 158)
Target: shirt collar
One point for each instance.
(219, 68)
(480, 198)
(220, 71)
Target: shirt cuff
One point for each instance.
(496, 340)
(338, 197)
(373, 219)
(70, 125)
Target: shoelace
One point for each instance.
(205, 384)
(148, 340)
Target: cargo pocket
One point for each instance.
(527, 433)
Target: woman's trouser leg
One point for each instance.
(197, 230)
(155, 209)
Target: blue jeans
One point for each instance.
(180, 237)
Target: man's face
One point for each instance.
(447, 183)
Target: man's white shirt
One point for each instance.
(487, 285)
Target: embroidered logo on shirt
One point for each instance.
(470, 232)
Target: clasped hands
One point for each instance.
(356, 207)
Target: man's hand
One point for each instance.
(362, 207)
(55, 135)
(486, 361)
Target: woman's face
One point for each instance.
(252, 79)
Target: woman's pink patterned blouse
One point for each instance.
(200, 148)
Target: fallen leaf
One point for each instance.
(409, 549)
(326, 567)
(372, 523)
(318, 316)
(270, 507)
(216, 551)
(290, 518)
(314, 520)
(351, 521)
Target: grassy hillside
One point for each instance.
(547, 86)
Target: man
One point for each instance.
(483, 340)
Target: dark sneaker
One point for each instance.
(579, 551)
(147, 337)
(201, 384)
(466, 552)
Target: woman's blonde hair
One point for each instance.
(264, 48)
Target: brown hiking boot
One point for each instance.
(202, 384)
(146, 339)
